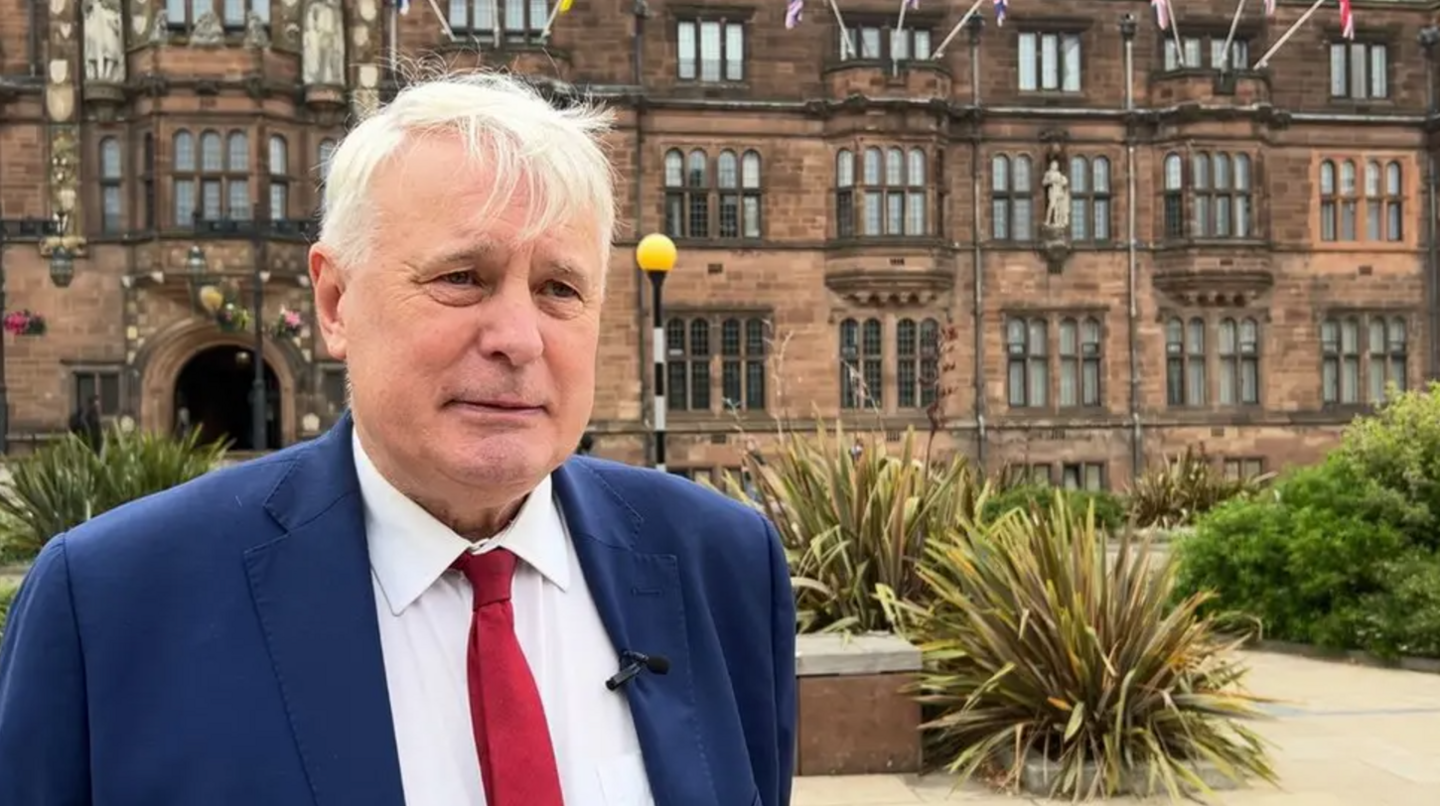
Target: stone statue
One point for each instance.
(255, 34)
(324, 59)
(1057, 197)
(159, 28)
(208, 31)
(104, 41)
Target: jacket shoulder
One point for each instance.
(649, 490)
(226, 500)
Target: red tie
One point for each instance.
(517, 760)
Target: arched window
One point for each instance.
(184, 166)
(742, 363)
(1027, 362)
(112, 208)
(917, 368)
(1012, 198)
(279, 204)
(861, 364)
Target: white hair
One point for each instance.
(504, 124)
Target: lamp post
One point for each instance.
(259, 256)
(655, 255)
(62, 271)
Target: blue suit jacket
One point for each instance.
(217, 643)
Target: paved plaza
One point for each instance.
(1345, 735)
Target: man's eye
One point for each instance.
(560, 289)
(458, 278)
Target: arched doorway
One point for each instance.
(213, 391)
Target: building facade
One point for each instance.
(1073, 242)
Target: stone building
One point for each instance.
(1073, 242)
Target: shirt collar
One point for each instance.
(410, 549)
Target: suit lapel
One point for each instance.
(313, 592)
(642, 606)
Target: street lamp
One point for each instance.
(62, 271)
(211, 299)
(655, 255)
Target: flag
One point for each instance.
(1347, 20)
(565, 5)
(1162, 14)
(1000, 7)
(404, 6)
(1269, 8)
(792, 13)
(913, 4)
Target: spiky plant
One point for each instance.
(1183, 488)
(852, 520)
(1039, 645)
(67, 482)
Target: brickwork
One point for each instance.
(796, 105)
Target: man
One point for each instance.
(86, 423)
(429, 604)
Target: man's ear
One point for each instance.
(327, 280)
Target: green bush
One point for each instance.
(1307, 559)
(1404, 619)
(1345, 554)
(1109, 509)
(1036, 644)
(67, 483)
(7, 595)
(1399, 448)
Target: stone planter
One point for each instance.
(854, 720)
(1038, 775)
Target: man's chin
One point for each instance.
(517, 458)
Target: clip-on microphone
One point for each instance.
(635, 663)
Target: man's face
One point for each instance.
(471, 352)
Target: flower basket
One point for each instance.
(288, 325)
(24, 323)
(232, 318)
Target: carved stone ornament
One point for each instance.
(871, 288)
(104, 42)
(323, 62)
(1219, 289)
(208, 32)
(1054, 247)
(159, 29)
(64, 183)
(256, 33)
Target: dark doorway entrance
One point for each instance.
(213, 394)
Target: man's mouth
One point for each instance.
(499, 405)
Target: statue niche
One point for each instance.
(104, 42)
(1055, 230)
(324, 46)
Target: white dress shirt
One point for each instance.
(425, 610)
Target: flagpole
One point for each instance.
(1230, 39)
(897, 33)
(1175, 32)
(444, 23)
(554, 12)
(845, 48)
(954, 32)
(1264, 60)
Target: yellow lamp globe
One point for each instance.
(655, 253)
(211, 298)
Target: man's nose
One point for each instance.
(510, 326)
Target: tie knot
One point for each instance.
(490, 574)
